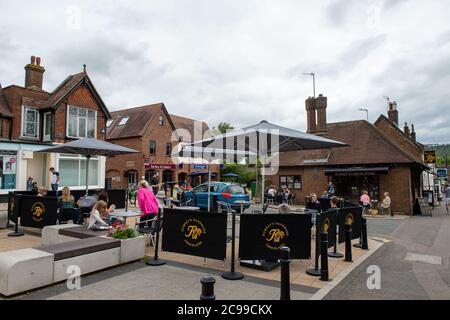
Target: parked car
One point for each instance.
(224, 191)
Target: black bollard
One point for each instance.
(365, 242)
(156, 261)
(285, 286)
(324, 256)
(316, 271)
(207, 288)
(348, 243)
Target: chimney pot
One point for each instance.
(33, 60)
(38, 61)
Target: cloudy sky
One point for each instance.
(241, 61)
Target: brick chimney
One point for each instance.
(393, 112)
(321, 107)
(310, 104)
(34, 73)
(413, 133)
(406, 130)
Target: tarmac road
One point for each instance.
(422, 239)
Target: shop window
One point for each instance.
(72, 170)
(8, 170)
(291, 182)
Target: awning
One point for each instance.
(14, 146)
(193, 174)
(360, 171)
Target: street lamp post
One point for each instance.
(313, 75)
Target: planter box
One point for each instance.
(132, 249)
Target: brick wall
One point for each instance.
(398, 184)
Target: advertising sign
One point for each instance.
(352, 216)
(195, 233)
(262, 236)
(430, 157)
(9, 164)
(38, 212)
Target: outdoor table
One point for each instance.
(242, 202)
(125, 215)
(187, 208)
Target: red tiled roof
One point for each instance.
(367, 146)
(64, 88)
(139, 119)
(196, 128)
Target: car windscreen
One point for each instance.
(235, 190)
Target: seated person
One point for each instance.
(103, 196)
(95, 220)
(67, 201)
(284, 208)
(42, 191)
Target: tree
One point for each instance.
(224, 127)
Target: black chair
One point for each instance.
(148, 227)
(65, 215)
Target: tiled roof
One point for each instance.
(139, 119)
(196, 128)
(64, 88)
(367, 146)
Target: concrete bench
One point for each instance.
(25, 269)
(67, 232)
(3, 219)
(90, 254)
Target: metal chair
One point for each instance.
(148, 227)
(65, 215)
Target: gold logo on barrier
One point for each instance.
(349, 219)
(273, 234)
(326, 225)
(193, 230)
(37, 211)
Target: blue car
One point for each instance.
(224, 191)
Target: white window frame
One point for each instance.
(22, 131)
(123, 121)
(44, 136)
(79, 158)
(78, 122)
(109, 123)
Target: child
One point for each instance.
(95, 220)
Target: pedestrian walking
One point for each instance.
(55, 179)
(330, 189)
(447, 198)
(365, 200)
(386, 204)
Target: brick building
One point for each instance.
(150, 129)
(32, 119)
(380, 157)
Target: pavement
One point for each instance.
(413, 262)
(180, 278)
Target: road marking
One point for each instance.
(319, 295)
(380, 239)
(416, 257)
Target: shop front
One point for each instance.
(351, 182)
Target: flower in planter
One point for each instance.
(122, 232)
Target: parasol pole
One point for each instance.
(209, 186)
(87, 174)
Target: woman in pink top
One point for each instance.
(365, 200)
(147, 202)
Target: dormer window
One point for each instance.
(161, 120)
(109, 123)
(30, 122)
(123, 121)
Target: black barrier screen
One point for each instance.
(353, 216)
(117, 197)
(13, 206)
(326, 222)
(324, 204)
(195, 233)
(37, 212)
(262, 235)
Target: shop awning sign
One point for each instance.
(430, 157)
